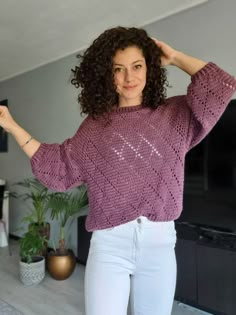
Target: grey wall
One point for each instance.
(44, 101)
(207, 31)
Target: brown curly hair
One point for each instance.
(94, 75)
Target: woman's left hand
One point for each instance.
(169, 53)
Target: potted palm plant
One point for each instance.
(38, 194)
(32, 263)
(65, 207)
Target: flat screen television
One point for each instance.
(210, 177)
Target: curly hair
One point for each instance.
(94, 75)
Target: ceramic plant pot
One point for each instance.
(34, 272)
(60, 267)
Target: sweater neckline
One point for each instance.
(128, 109)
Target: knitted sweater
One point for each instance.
(133, 164)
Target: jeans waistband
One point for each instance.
(142, 220)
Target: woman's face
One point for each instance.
(129, 69)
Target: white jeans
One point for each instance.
(135, 260)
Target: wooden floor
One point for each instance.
(50, 297)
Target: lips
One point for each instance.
(130, 87)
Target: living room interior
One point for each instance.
(41, 98)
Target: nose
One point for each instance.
(128, 75)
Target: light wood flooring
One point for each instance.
(51, 297)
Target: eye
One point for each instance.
(138, 67)
(118, 69)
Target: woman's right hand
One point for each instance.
(6, 120)
(23, 138)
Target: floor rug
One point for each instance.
(7, 309)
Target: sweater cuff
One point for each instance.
(211, 69)
(39, 153)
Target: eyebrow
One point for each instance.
(119, 64)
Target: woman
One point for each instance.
(130, 152)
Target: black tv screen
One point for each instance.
(210, 176)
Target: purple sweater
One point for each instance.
(134, 165)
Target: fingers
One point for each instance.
(3, 107)
(2, 110)
(156, 41)
(5, 118)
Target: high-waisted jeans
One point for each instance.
(133, 263)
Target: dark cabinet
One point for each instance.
(206, 271)
(234, 284)
(215, 279)
(187, 271)
(83, 240)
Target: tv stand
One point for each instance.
(206, 262)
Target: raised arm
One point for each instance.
(28, 144)
(177, 58)
(57, 166)
(208, 93)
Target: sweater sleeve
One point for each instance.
(60, 166)
(208, 95)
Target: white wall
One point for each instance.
(44, 101)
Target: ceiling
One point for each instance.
(34, 33)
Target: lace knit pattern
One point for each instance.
(133, 164)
